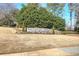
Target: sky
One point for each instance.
(18, 5)
(66, 13)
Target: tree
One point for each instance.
(74, 7)
(7, 14)
(71, 10)
(56, 8)
(34, 16)
(8, 19)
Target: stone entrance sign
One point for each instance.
(38, 30)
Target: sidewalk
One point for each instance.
(69, 51)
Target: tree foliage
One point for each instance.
(33, 15)
(56, 8)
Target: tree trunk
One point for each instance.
(23, 27)
(71, 20)
(53, 30)
(70, 6)
(17, 26)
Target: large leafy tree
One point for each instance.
(34, 16)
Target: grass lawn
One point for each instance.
(16, 43)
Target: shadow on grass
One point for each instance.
(24, 49)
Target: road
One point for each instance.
(68, 51)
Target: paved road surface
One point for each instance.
(69, 51)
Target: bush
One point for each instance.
(77, 29)
(69, 32)
(6, 22)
